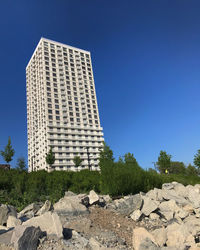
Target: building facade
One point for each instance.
(62, 110)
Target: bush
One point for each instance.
(20, 188)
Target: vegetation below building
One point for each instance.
(20, 188)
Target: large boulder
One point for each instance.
(193, 225)
(140, 235)
(93, 197)
(160, 236)
(180, 190)
(193, 196)
(45, 208)
(155, 194)
(5, 211)
(177, 235)
(172, 195)
(49, 222)
(148, 244)
(25, 237)
(168, 186)
(30, 210)
(70, 205)
(13, 221)
(149, 206)
(168, 209)
(128, 204)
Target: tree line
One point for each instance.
(9, 152)
(166, 165)
(116, 177)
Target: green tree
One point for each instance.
(151, 170)
(8, 152)
(77, 161)
(21, 164)
(106, 164)
(120, 160)
(197, 160)
(177, 167)
(164, 162)
(191, 170)
(50, 157)
(130, 159)
(106, 154)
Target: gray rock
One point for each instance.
(192, 224)
(70, 206)
(169, 208)
(136, 215)
(48, 222)
(149, 206)
(172, 195)
(154, 216)
(148, 244)
(194, 197)
(180, 190)
(26, 238)
(5, 211)
(93, 197)
(167, 186)
(129, 204)
(188, 208)
(45, 208)
(106, 198)
(140, 235)
(155, 194)
(160, 236)
(30, 210)
(5, 237)
(181, 213)
(13, 221)
(177, 235)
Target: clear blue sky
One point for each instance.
(146, 60)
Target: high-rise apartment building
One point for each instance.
(62, 110)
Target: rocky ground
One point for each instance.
(162, 219)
